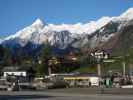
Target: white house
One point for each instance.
(16, 73)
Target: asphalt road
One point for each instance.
(53, 95)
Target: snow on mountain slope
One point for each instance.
(66, 34)
(38, 33)
(28, 31)
(26, 34)
(128, 15)
(78, 28)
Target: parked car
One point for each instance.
(57, 84)
(3, 85)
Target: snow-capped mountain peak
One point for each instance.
(38, 23)
(128, 15)
(65, 34)
(36, 26)
(26, 34)
(78, 28)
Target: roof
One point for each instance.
(75, 74)
(11, 69)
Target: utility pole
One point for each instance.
(99, 57)
(49, 66)
(99, 69)
(49, 70)
(124, 68)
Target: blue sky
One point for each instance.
(17, 14)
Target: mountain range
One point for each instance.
(107, 33)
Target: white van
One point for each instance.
(94, 81)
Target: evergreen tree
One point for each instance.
(6, 56)
(43, 60)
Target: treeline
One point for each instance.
(58, 63)
(39, 63)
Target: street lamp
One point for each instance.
(99, 57)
